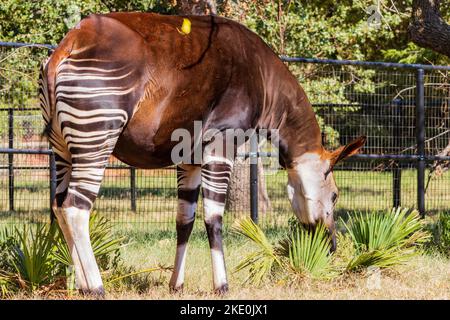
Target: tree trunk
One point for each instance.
(196, 7)
(427, 28)
(238, 199)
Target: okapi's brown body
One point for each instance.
(122, 83)
(220, 73)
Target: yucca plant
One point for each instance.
(309, 253)
(440, 231)
(106, 247)
(32, 256)
(6, 243)
(6, 284)
(385, 239)
(261, 262)
(39, 258)
(304, 253)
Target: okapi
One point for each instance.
(121, 83)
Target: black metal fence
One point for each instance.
(402, 109)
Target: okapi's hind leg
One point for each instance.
(189, 179)
(63, 169)
(89, 152)
(215, 179)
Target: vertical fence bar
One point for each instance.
(397, 171)
(52, 168)
(254, 178)
(11, 158)
(133, 188)
(420, 140)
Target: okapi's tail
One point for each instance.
(46, 109)
(45, 95)
(47, 102)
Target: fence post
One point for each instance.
(254, 178)
(397, 171)
(11, 158)
(52, 168)
(133, 188)
(420, 140)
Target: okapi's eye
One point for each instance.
(334, 197)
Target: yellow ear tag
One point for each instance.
(185, 27)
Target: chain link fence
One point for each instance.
(398, 166)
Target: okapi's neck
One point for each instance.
(287, 108)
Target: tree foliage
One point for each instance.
(328, 29)
(307, 28)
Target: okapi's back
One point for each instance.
(165, 77)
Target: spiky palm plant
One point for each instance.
(6, 243)
(260, 263)
(6, 284)
(384, 239)
(103, 243)
(309, 253)
(440, 231)
(105, 246)
(305, 253)
(32, 258)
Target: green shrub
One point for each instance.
(309, 253)
(385, 239)
(106, 247)
(444, 232)
(261, 262)
(440, 231)
(303, 253)
(32, 257)
(373, 239)
(37, 258)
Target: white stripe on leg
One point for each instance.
(80, 281)
(219, 271)
(177, 279)
(77, 221)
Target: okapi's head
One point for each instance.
(311, 187)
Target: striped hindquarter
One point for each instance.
(84, 115)
(84, 124)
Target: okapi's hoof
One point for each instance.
(97, 293)
(179, 289)
(222, 290)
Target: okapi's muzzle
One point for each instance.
(330, 230)
(333, 242)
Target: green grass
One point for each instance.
(423, 277)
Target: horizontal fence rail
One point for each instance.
(372, 64)
(401, 108)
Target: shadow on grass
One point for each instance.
(361, 191)
(121, 193)
(24, 215)
(32, 188)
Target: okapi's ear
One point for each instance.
(346, 151)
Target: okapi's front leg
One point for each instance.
(189, 179)
(215, 178)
